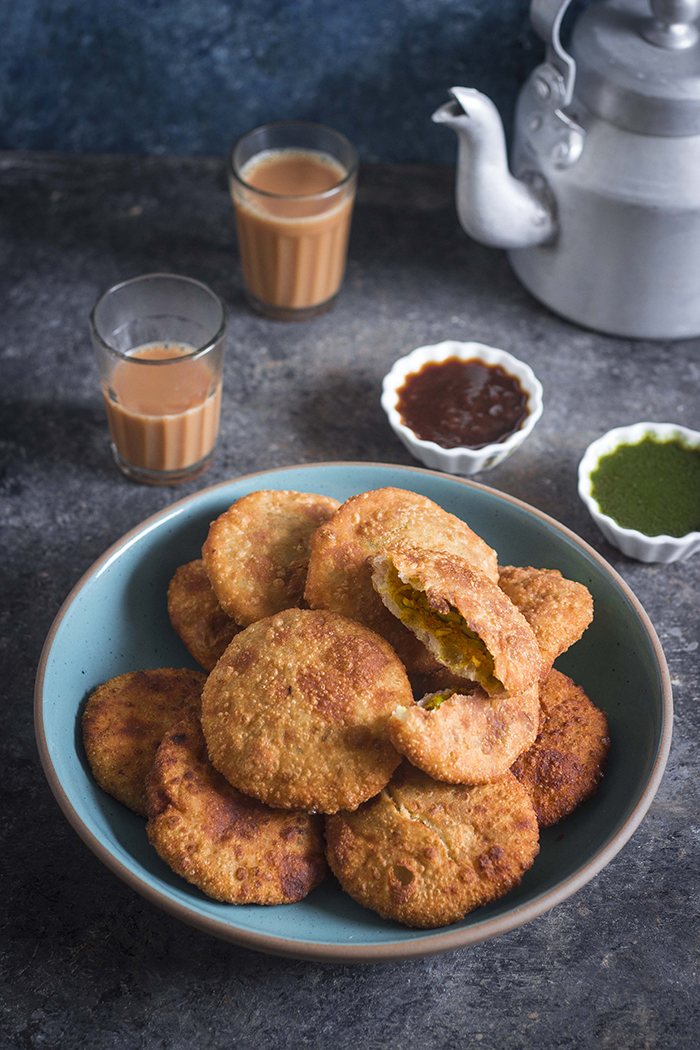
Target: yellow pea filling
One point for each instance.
(434, 701)
(460, 647)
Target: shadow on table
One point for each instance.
(342, 418)
(41, 433)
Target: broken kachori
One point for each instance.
(466, 737)
(232, 847)
(340, 575)
(125, 720)
(197, 618)
(257, 552)
(461, 616)
(565, 764)
(295, 711)
(425, 853)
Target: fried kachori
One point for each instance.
(257, 552)
(340, 575)
(295, 711)
(565, 764)
(425, 853)
(197, 618)
(125, 720)
(557, 609)
(462, 617)
(231, 847)
(432, 804)
(466, 738)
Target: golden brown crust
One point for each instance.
(257, 552)
(467, 739)
(196, 616)
(340, 577)
(565, 764)
(232, 847)
(295, 711)
(445, 584)
(125, 720)
(426, 854)
(557, 609)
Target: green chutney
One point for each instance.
(652, 486)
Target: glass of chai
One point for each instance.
(293, 188)
(159, 341)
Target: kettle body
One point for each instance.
(625, 255)
(612, 161)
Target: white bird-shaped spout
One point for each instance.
(493, 207)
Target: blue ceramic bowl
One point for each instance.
(116, 620)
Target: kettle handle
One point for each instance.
(546, 17)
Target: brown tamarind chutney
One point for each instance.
(462, 404)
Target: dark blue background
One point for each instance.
(189, 76)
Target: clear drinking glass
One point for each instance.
(159, 341)
(293, 188)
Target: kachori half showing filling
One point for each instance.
(466, 738)
(340, 573)
(462, 617)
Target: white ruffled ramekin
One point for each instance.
(630, 541)
(460, 460)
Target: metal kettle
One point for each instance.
(600, 210)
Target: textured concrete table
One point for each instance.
(87, 962)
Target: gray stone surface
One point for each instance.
(86, 962)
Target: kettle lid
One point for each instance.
(638, 64)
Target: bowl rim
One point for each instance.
(490, 355)
(629, 435)
(443, 940)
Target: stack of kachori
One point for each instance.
(380, 698)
